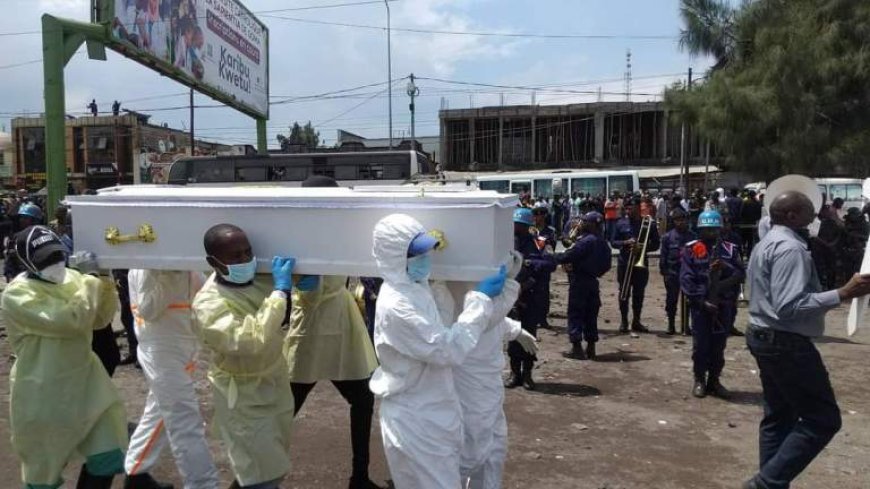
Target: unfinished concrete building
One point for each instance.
(602, 134)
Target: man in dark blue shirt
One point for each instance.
(669, 262)
(546, 237)
(625, 240)
(587, 260)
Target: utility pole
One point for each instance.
(684, 167)
(389, 71)
(628, 75)
(413, 91)
(192, 141)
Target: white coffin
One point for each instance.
(328, 230)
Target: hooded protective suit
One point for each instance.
(420, 414)
(160, 301)
(480, 388)
(328, 338)
(240, 326)
(62, 401)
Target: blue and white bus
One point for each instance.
(561, 182)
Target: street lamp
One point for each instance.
(389, 72)
(413, 90)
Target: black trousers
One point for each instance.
(104, 345)
(362, 405)
(639, 279)
(123, 287)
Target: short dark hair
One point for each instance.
(215, 234)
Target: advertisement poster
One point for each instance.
(215, 42)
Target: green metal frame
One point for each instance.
(61, 38)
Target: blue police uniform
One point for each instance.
(710, 329)
(589, 258)
(543, 295)
(533, 279)
(625, 230)
(673, 243)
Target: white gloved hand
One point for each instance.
(528, 342)
(85, 262)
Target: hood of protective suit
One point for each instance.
(391, 238)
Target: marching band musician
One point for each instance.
(586, 261)
(710, 278)
(673, 243)
(546, 235)
(625, 239)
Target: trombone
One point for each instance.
(636, 260)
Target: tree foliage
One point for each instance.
(709, 29)
(795, 94)
(300, 136)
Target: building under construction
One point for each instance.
(602, 134)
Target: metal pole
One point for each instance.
(192, 140)
(262, 145)
(707, 167)
(413, 91)
(389, 71)
(52, 64)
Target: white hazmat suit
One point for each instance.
(420, 414)
(161, 302)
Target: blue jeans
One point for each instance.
(800, 411)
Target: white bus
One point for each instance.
(851, 190)
(561, 182)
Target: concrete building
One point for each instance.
(100, 151)
(430, 145)
(527, 137)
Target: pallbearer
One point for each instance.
(710, 277)
(673, 243)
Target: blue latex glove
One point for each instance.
(282, 272)
(307, 283)
(493, 285)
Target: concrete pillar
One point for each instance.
(534, 139)
(445, 161)
(663, 132)
(471, 137)
(599, 136)
(500, 142)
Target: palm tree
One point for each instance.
(709, 30)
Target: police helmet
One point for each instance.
(523, 215)
(30, 210)
(710, 219)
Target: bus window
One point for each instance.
(544, 188)
(212, 171)
(371, 172)
(500, 186)
(179, 173)
(621, 183)
(845, 191)
(593, 185)
(824, 190)
(345, 172)
(521, 187)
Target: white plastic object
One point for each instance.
(859, 304)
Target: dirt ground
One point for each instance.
(625, 421)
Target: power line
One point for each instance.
(479, 33)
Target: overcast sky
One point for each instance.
(309, 58)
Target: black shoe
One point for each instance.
(735, 332)
(639, 328)
(699, 390)
(623, 326)
(716, 389)
(590, 350)
(89, 481)
(362, 483)
(513, 380)
(672, 329)
(144, 481)
(752, 484)
(576, 351)
(528, 382)
(128, 360)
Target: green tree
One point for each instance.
(709, 30)
(300, 136)
(794, 96)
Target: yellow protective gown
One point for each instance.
(240, 326)
(328, 338)
(62, 401)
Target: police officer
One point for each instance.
(538, 264)
(710, 278)
(546, 236)
(673, 243)
(625, 239)
(587, 260)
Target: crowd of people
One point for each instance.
(431, 351)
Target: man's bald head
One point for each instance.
(792, 209)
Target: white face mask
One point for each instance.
(54, 273)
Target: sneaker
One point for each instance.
(699, 390)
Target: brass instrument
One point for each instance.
(359, 296)
(636, 260)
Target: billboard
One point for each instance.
(215, 46)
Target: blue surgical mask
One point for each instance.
(419, 267)
(240, 273)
